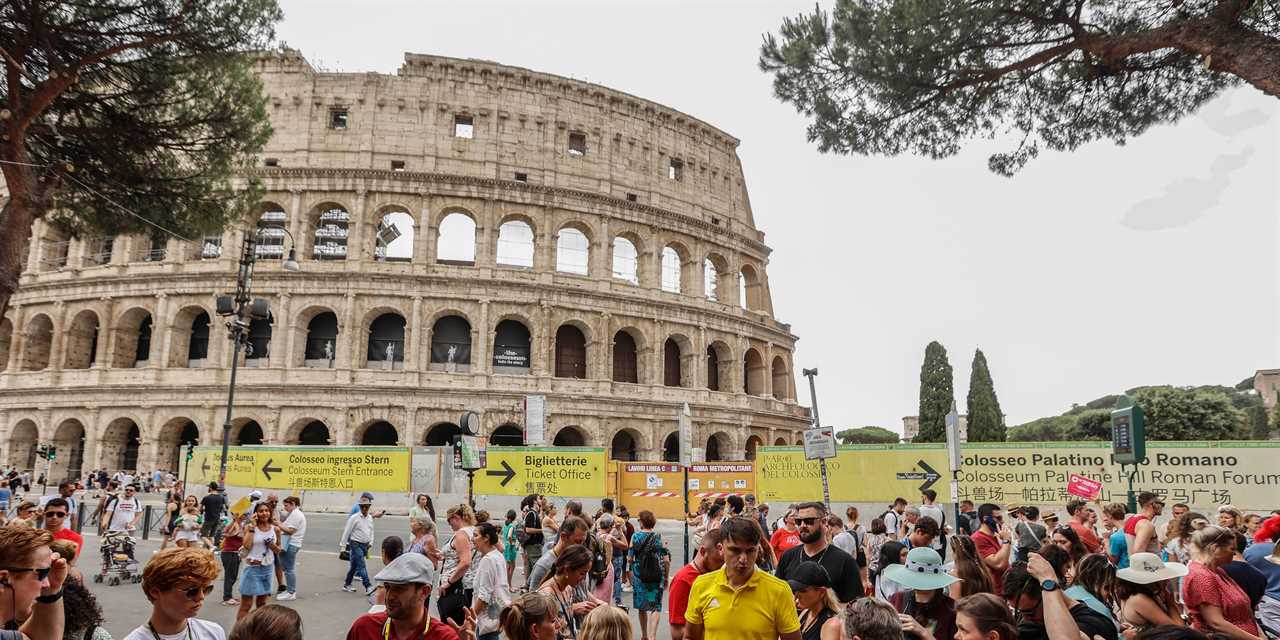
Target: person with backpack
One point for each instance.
(530, 534)
(649, 560)
(121, 513)
(602, 544)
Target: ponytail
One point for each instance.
(527, 610)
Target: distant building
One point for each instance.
(911, 427)
(1267, 383)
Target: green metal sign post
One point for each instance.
(1129, 440)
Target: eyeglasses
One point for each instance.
(192, 591)
(55, 514)
(806, 521)
(41, 574)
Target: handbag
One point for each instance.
(344, 555)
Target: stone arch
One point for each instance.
(6, 342)
(456, 240)
(750, 289)
(23, 437)
(671, 447)
(570, 436)
(69, 439)
(82, 340)
(176, 434)
(571, 351)
(258, 349)
(393, 236)
(328, 230)
(625, 257)
(120, 444)
(719, 447)
(39, 343)
(573, 248)
(780, 442)
(512, 346)
(319, 346)
(720, 364)
(246, 431)
(517, 241)
(315, 434)
(715, 268)
(626, 445)
(626, 359)
(377, 433)
(451, 342)
(441, 434)
(131, 339)
(781, 373)
(799, 440)
(189, 336)
(753, 372)
(753, 444)
(677, 364)
(672, 263)
(507, 435)
(271, 220)
(385, 346)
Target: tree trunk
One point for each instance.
(1235, 49)
(15, 222)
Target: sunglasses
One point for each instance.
(806, 521)
(192, 591)
(41, 574)
(55, 514)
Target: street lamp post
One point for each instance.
(236, 308)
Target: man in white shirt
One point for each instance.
(294, 529)
(929, 508)
(893, 517)
(122, 512)
(356, 538)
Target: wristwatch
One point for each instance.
(1049, 585)
(51, 598)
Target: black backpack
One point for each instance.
(599, 559)
(648, 566)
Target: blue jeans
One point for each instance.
(619, 568)
(357, 551)
(289, 563)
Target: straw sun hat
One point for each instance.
(1146, 568)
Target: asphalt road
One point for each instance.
(326, 610)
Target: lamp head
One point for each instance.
(291, 262)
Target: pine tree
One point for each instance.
(1258, 423)
(986, 422)
(936, 394)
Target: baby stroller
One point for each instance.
(118, 563)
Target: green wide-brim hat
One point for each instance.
(923, 571)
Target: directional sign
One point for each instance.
(377, 469)
(580, 472)
(819, 443)
(929, 475)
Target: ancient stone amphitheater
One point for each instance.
(469, 234)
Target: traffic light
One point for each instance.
(41, 452)
(53, 451)
(191, 452)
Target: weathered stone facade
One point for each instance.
(615, 232)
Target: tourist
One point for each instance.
(1144, 592)
(176, 582)
(1230, 517)
(186, 527)
(407, 581)
(56, 512)
(423, 540)
(530, 616)
(814, 598)
(565, 586)
(26, 514)
(992, 539)
(31, 581)
(620, 541)
(1065, 538)
(871, 544)
(929, 508)
(232, 542)
(605, 623)
(83, 613)
(968, 521)
(927, 612)
(108, 497)
(1140, 530)
(1028, 532)
(706, 559)
(423, 508)
(606, 541)
(261, 539)
(865, 619)
(366, 497)
(1115, 543)
(293, 530)
(984, 616)
(532, 540)
(1179, 545)
(842, 569)
(1214, 601)
(573, 531)
(67, 492)
(6, 496)
(1093, 583)
(1034, 590)
(272, 622)
(763, 612)
(172, 512)
(891, 553)
(923, 534)
(1261, 554)
(850, 539)
(1082, 523)
(492, 592)
(356, 538)
(974, 576)
(510, 543)
(458, 573)
(786, 536)
(893, 517)
(1252, 581)
(650, 563)
(213, 505)
(122, 513)
(711, 520)
(549, 525)
(392, 547)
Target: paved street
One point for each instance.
(325, 608)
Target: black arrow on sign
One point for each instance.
(507, 473)
(204, 465)
(267, 469)
(931, 475)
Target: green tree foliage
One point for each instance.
(867, 435)
(925, 77)
(1259, 428)
(936, 394)
(986, 421)
(1094, 424)
(1172, 413)
(113, 106)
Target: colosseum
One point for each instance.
(469, 234)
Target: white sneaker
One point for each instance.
(287, 596)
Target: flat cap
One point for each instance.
(409, 568)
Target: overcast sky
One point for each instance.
(1086, 274)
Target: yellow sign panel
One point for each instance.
(376, 469)
(579, 472)
(1197, 473)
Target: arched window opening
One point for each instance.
(39, 343)
(780, 442)
(753, 373)
(259, 348)
(322, 341)
(713, 369)
(250, 433)
(508, 435)
(671, 363)
(379, 434)
(393, 239)
(442, 434)
(270, 246)
(386, 342)
(82, 342)
(198, 347)
(132, 338)
(623, 446)
(457, 242)
(22, 445)
(742, 291)
(133, 444)
(781, 390)
(515, 245)
(717, 447)
(749, 289)
(511, 348)
(69, 463)
(710, 280)
(625, 261)
(142, 355)
(671, 448)
(670, 270)
(571, 352)
(573, 251)
(451, 345)
(753, 443)
(569, 437)
(333, 227)
(315, 434)
(6, 342)
(625, 367)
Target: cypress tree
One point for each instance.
(936, 394)
(986, 422)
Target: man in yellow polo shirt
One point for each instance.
(737, 602)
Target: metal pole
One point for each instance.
(822, 462)
(1133, 500)
(186, 468)
(248, 253)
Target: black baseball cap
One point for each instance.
(807, 576)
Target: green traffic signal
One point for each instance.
(53, 451)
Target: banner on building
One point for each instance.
(376, 469)
(578, 472)
(1243, 474)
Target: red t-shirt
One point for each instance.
(1214, 587)
(1087, 536)
(680, 586)
(989, 545)
(783, 540)
(1131, 525)
(369, 627)
(67, 534)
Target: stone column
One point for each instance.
(481, 342)
(430, 230)
(106, 327)
(160, 331)
(356, 251)
(414, 332)
(37, 246)
(296, 224)
(421, 253)
(18, 341)
(279, 357)
(58, 340)
(355, 334)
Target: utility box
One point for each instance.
(1128, 435)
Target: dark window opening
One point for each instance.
(386, 340)
(379, 434)
(522, 177)
(397, 165)
(315, 434)
(631, 197)
(451, 342)
(250, 433)
(713, 369)
(198, 348)
(624, 358)
(271, 162)
(675, 170)
(671, 363)
(511, 346)
(463, 127)
(338, 118)
(259, 346)
(577, 144)
(143, 352)
(571, 353)
(322, 340)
